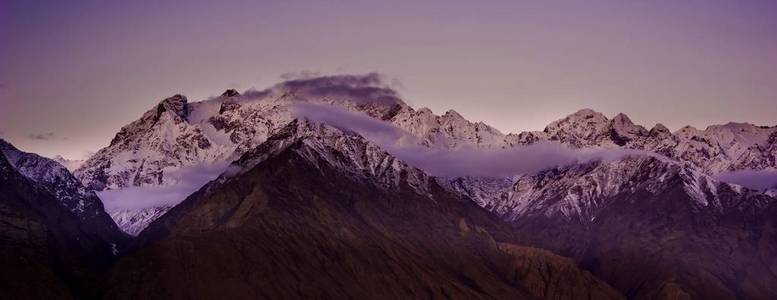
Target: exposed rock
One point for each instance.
(230, 93)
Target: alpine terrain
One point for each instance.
(177, 136)
(335, 187)
(316, 212)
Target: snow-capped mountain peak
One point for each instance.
(717, 149)
(580, 129)
(660, 131)
(450, 130)
(452, 114)
(625, 129)
(345, 150)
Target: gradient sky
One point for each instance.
(73, 72)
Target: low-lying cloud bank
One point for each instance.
(753, 179)
(502, 162)
(489, 162)
(190, 179)
(459, 162)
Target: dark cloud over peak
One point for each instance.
(371, 88)
(367, 88)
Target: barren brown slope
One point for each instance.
(292, 228)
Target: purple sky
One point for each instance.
(73, 72)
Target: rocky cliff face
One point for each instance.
(319, 212)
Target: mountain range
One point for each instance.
(176, 135)
(314, 188)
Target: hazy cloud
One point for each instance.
(503, 162)
(753, 179)
(458, 162)
(190, 180)
(41, 136)
(382, 133)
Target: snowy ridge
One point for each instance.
(450, 130)
(344, 150)
(178, 134)
(55, 178)
(581, 191)
(717, 149)
(483, 190)
(142, 152)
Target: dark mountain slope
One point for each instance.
(654, 229)
(294, 226)
(71, 195)
(46, 252)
